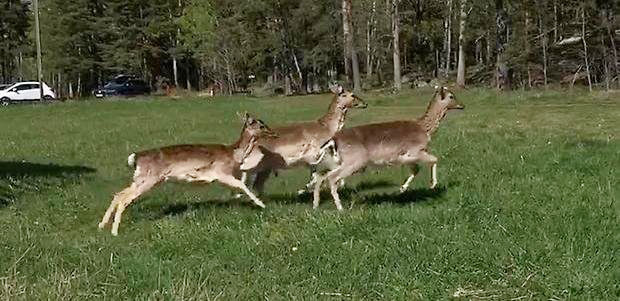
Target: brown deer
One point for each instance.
(190, 163)
(380, 144)
(299, 144)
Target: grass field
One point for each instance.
(527, 208)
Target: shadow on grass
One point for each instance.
(305, 198)
(410, 196)
(180, 208)
(20, 177)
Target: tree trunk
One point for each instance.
(436, 71)
(544, 50)
(20, 61)
(543, 40)
(460, 75)
(299, 74)
(201, 84)
(555, 20)
(229, 76)
(610, 33)
(489, 54)
(357, 81)
(448, 37)
(188, 84)
(368, 50)
(503, 72)
(348, 41)
(59, 87)
(526, 45)
(396, 44)
(585, 46)
(605, 63)
(175, 71)
(371, 26)
(79, 86)
(350, 53)
(287, 85)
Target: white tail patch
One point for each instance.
(131, 160)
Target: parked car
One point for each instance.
(123, 85)
(25, 91)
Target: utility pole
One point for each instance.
(37, 35)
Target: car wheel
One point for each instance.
(48, 98)
(4, 101)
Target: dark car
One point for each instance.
(123, 85)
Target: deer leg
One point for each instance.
(127, 196)
(333, 186)
(313, 180)
(432, 162)
(336, 177)
(248, 178)
(259, 182)
(317, 189)
(414, 171)
(108, 213)
(236, 183)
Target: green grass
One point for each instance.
(527, 206)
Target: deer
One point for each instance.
(299, 144)
(402, 142)
(202, 163)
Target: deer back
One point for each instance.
(381, 142)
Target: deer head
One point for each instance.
(446, 99)
(346, 99)
(256, 127)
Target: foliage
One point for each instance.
(14, 43)
(223, 42)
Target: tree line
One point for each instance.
(292, 46)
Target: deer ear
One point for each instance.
(241, 116)
(248, 118)
(442, 92)
(336, 88)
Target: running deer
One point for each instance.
(190, 163)
(299, 144)
(380, 144)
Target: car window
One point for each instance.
(120, 80)
(34, 86)
(137, 82)
(22, 87)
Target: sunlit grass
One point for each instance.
(527, 206)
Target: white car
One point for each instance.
(25, 91)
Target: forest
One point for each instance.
(298, 47)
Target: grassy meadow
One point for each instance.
(527, 206)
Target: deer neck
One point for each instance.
(243, 147)
(334, 118)
(431, 118)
